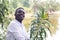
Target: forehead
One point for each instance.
(20, 10)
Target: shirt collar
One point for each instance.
(18, 21)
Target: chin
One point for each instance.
(21, 19)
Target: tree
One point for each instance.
(3, 11)
(39, 26)
(40, 23)
(3, 19)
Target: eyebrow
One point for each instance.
(20, 13)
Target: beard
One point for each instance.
(19, 19)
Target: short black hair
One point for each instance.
(19, 10)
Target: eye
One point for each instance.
(19, 11)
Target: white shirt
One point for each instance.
(16, 31)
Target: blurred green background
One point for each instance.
(8, 7)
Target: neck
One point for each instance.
(19, 20)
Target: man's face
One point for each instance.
(20, 15)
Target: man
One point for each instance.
(16, 30)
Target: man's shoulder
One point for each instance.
(13, 26)
(13, 22)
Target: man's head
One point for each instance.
(19, 14)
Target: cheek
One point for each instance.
(22, 15)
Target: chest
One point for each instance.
(22, 30)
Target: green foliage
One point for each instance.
(39, 26)
(26, 3)
(14, 4)
(3, 11)
(3, 18)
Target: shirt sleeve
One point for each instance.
(14, 29)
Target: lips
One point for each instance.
(22, 17)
